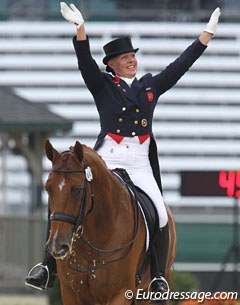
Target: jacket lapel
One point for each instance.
(131, 93)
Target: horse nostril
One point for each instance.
(62, 252)
(64, 249)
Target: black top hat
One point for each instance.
(118, 46)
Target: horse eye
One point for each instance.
(76, 191)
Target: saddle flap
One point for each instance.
(147, 206)
(149, 210)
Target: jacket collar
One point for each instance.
(129, 92)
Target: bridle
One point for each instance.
(77, 221)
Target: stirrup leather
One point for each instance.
(48, 276)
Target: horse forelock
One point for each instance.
(66, 161)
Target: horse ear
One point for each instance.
(78, 150)
(50, 151)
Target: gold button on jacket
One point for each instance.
(144, 122)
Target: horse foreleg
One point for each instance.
(141, 302)
(145, 302)
(69, 297)
(121, 299)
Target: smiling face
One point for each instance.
(124, 65)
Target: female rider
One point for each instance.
(125, 105)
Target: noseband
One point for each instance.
(78, 220)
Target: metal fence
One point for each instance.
(21, 240)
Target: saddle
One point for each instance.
(141, 198)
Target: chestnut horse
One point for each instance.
(96, 234)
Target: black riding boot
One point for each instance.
(43, 275)
(158, 260)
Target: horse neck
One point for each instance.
(107, 192)
(110, 200)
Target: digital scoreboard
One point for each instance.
(210, 183)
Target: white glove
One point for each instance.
(71, 14)
(213, 21)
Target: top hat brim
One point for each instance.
(109, 56)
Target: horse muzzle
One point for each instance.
(59, 249)
(62, 253)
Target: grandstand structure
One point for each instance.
(196, 123)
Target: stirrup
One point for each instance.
(48, 276)
(157, 278)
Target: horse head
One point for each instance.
(67, 187)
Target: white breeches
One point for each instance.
(133, 156)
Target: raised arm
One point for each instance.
(211, 27)
(89, 69)
(173, 72)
